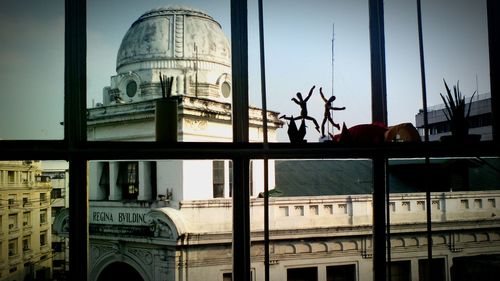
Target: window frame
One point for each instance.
(75, 148)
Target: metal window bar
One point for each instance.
(265, 140)
(379, 114)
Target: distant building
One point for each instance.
(57, 172)
(479, 121)
(25, 213)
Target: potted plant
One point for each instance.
(457, 112)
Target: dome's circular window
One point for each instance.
(131, 88)
(225, 89)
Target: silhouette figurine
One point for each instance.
(295, 135)
(328, 115)
(303, 109)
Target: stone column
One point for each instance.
(144, 181)
(95, 171)
(174, 86)
(227, 175)
(321, 273)
(115, 191)
(180, 84)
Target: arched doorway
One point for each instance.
(119, 271)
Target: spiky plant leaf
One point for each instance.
(470, 105)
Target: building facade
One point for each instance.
(25, 213)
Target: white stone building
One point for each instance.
(172, 219)
(25, 212)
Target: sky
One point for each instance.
(298, 54)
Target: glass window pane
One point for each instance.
(438, 269)
(329, 50)
(165, 220)
(320, 212)
(341, 273)
(463, 191)
(455, 41)
(32, 70)
(400, 271)
(159, 73)
(36, 247)
(302, 274)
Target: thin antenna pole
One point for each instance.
(477, 88)
(333, 56)
(333, 71)
(422, 71)
(265, 142)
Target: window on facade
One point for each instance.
(218, 178)
(55, 211)
(24, 177)
(104, 179)
(26, 243)
(12, 199)
(341, 273)
(227, 277)
(58, 246)
(438, 269)
(43, 198)
(13, 247)
(128, 179)
(26, 218)
(43, 238)
(11, 176)
(302, 274)
(13, 222)
(25, 200)
(43, 216)
(400, 271)
(56, 193)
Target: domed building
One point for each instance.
(182, 42)
(189, 46)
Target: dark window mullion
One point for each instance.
(493, 8)
(241, 196)
(379, 114)
(75, 134)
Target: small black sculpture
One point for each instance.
(166, 86)
(328, 115)
(295, 135)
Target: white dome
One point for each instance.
(171, 33)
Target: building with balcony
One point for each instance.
(25, 213)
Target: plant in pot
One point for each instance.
(457, 112)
